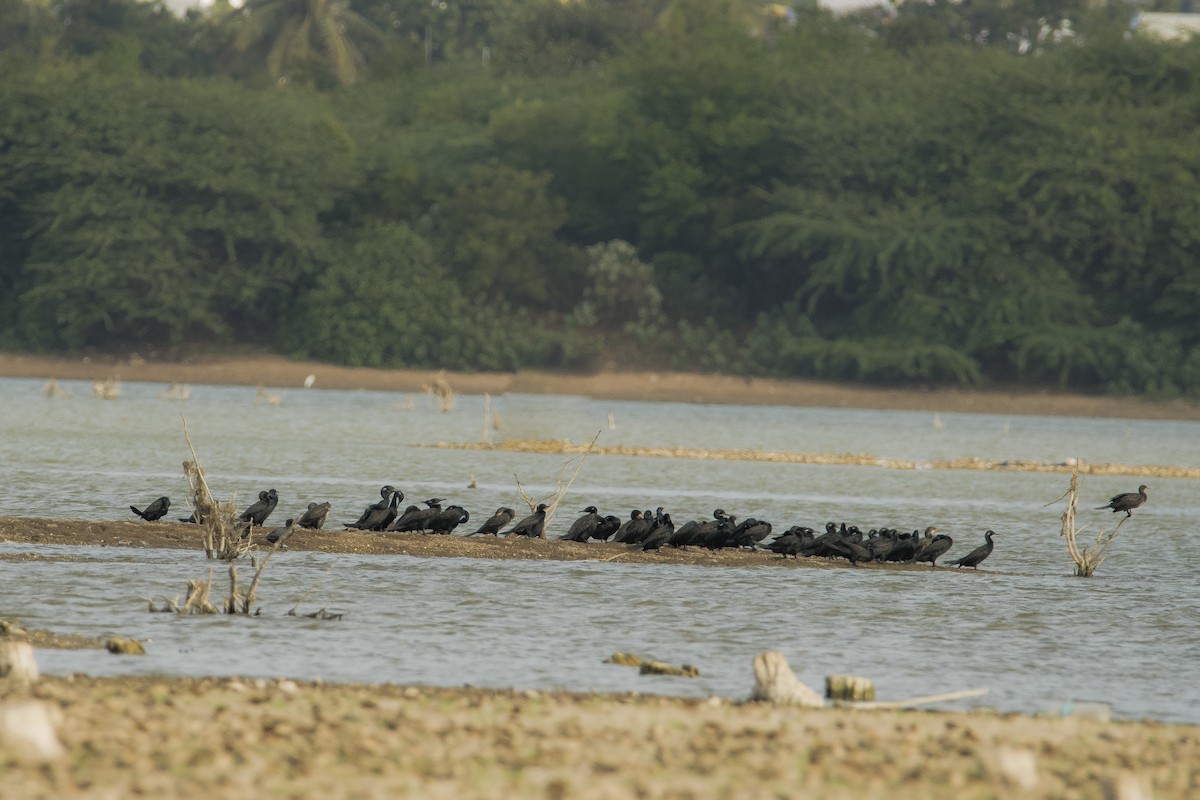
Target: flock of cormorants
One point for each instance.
(648, 530)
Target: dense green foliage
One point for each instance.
(959, 194)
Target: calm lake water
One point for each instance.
(1034, 635)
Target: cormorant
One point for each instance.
(419, 520)
(377, 516)
(750, 533)
(976, 556)
(258, 511)
(375, 513)
(446, 520)
(935, 549)
(281, 535)
(582, 528)
(607, 527)
(923, 542)
(314, 517)
(402, 521)
(1126, 502)
(628, 529)
(660, 534)
(495, 522)
(155, 511)
(533, 526)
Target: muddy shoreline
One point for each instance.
(278, 372)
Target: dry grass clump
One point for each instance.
(220, 531)
(439, 390)
(1087, 559)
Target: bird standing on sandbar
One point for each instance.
(976, 556)
(533, 526)
(495, 522)
(155, 511)
(1126, 502)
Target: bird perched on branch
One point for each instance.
(156, 510)
(976, 556)
(1126, 502)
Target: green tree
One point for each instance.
(315, 42)
(157, 210)
(496, 230)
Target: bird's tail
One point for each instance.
(1100, 508)
(139, 513)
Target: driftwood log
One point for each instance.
(774, 682)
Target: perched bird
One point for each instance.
(1126, 502)
(660, 534)
(281, 535)
(156, 510)
(936, 548)
(582, 528)
(378, 515)
(976, 556)
(446, 520)
(314, 517)
(258, 511)
(495, 522)
(419, 520)
(607, 527)
(533, 526)
(630, 527)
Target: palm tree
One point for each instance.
(296, 35)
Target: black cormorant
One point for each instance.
(155, 511)
(314, 517)
(1126, 502)
(259, 510)
(281, 535)
(447, 519)
(495, 522)
(976, 556)
(660, 534)
(935, 549)
(376, 512)
(582, 528)
(533, 526)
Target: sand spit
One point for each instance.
(178, 535)
(561, 447)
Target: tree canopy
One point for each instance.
(946, 193)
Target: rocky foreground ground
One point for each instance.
(203, 738)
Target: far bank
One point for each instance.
(275, 371)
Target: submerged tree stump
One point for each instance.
(774, 682)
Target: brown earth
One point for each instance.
(276, 371)
(215, 737)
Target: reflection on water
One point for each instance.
(1033, 635)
